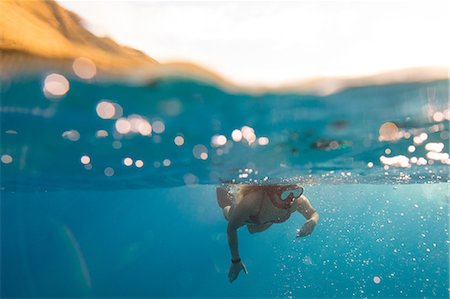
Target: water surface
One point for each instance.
(94, 207)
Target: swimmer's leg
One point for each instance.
(257, 228)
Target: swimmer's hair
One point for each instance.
(246, 189)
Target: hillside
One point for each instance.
(41, 34)
(38, 35)
(45, 29)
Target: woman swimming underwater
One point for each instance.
(258, 207)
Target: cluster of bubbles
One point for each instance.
(57, 86)
(246, 172)
(247, 134)
(127, 161)
(222, 145)
(389, 131)
(133, 124)
(126, 125)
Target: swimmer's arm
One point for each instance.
(237, 219)
(233, 241)
(307, 210)
(312, 217)
(237, 265)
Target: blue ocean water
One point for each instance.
(78, 221)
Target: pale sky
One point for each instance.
(275, 42)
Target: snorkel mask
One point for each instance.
(296, 192)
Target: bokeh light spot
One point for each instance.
(421, 161)
(123, 126)
(437, 156)
(388, 132)
(6, 159)
(71, 135)
(128, 161)
(85, 159)
(179, 140)
(396, 161)
(171, 107)
(236, 135)
(419, 139)
(84, 68)
(158, 127)
(101, 134)
(218, 140)
(438, 116)
(105, 110)
(263, 141)
(144, 128)
(190, 179)
(434, 147)
(109, 171)
(56, 85)
(198, 150)
(139, 163)
(117, 144)
(249, 134)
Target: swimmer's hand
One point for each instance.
(307, 228)
(235, 268)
